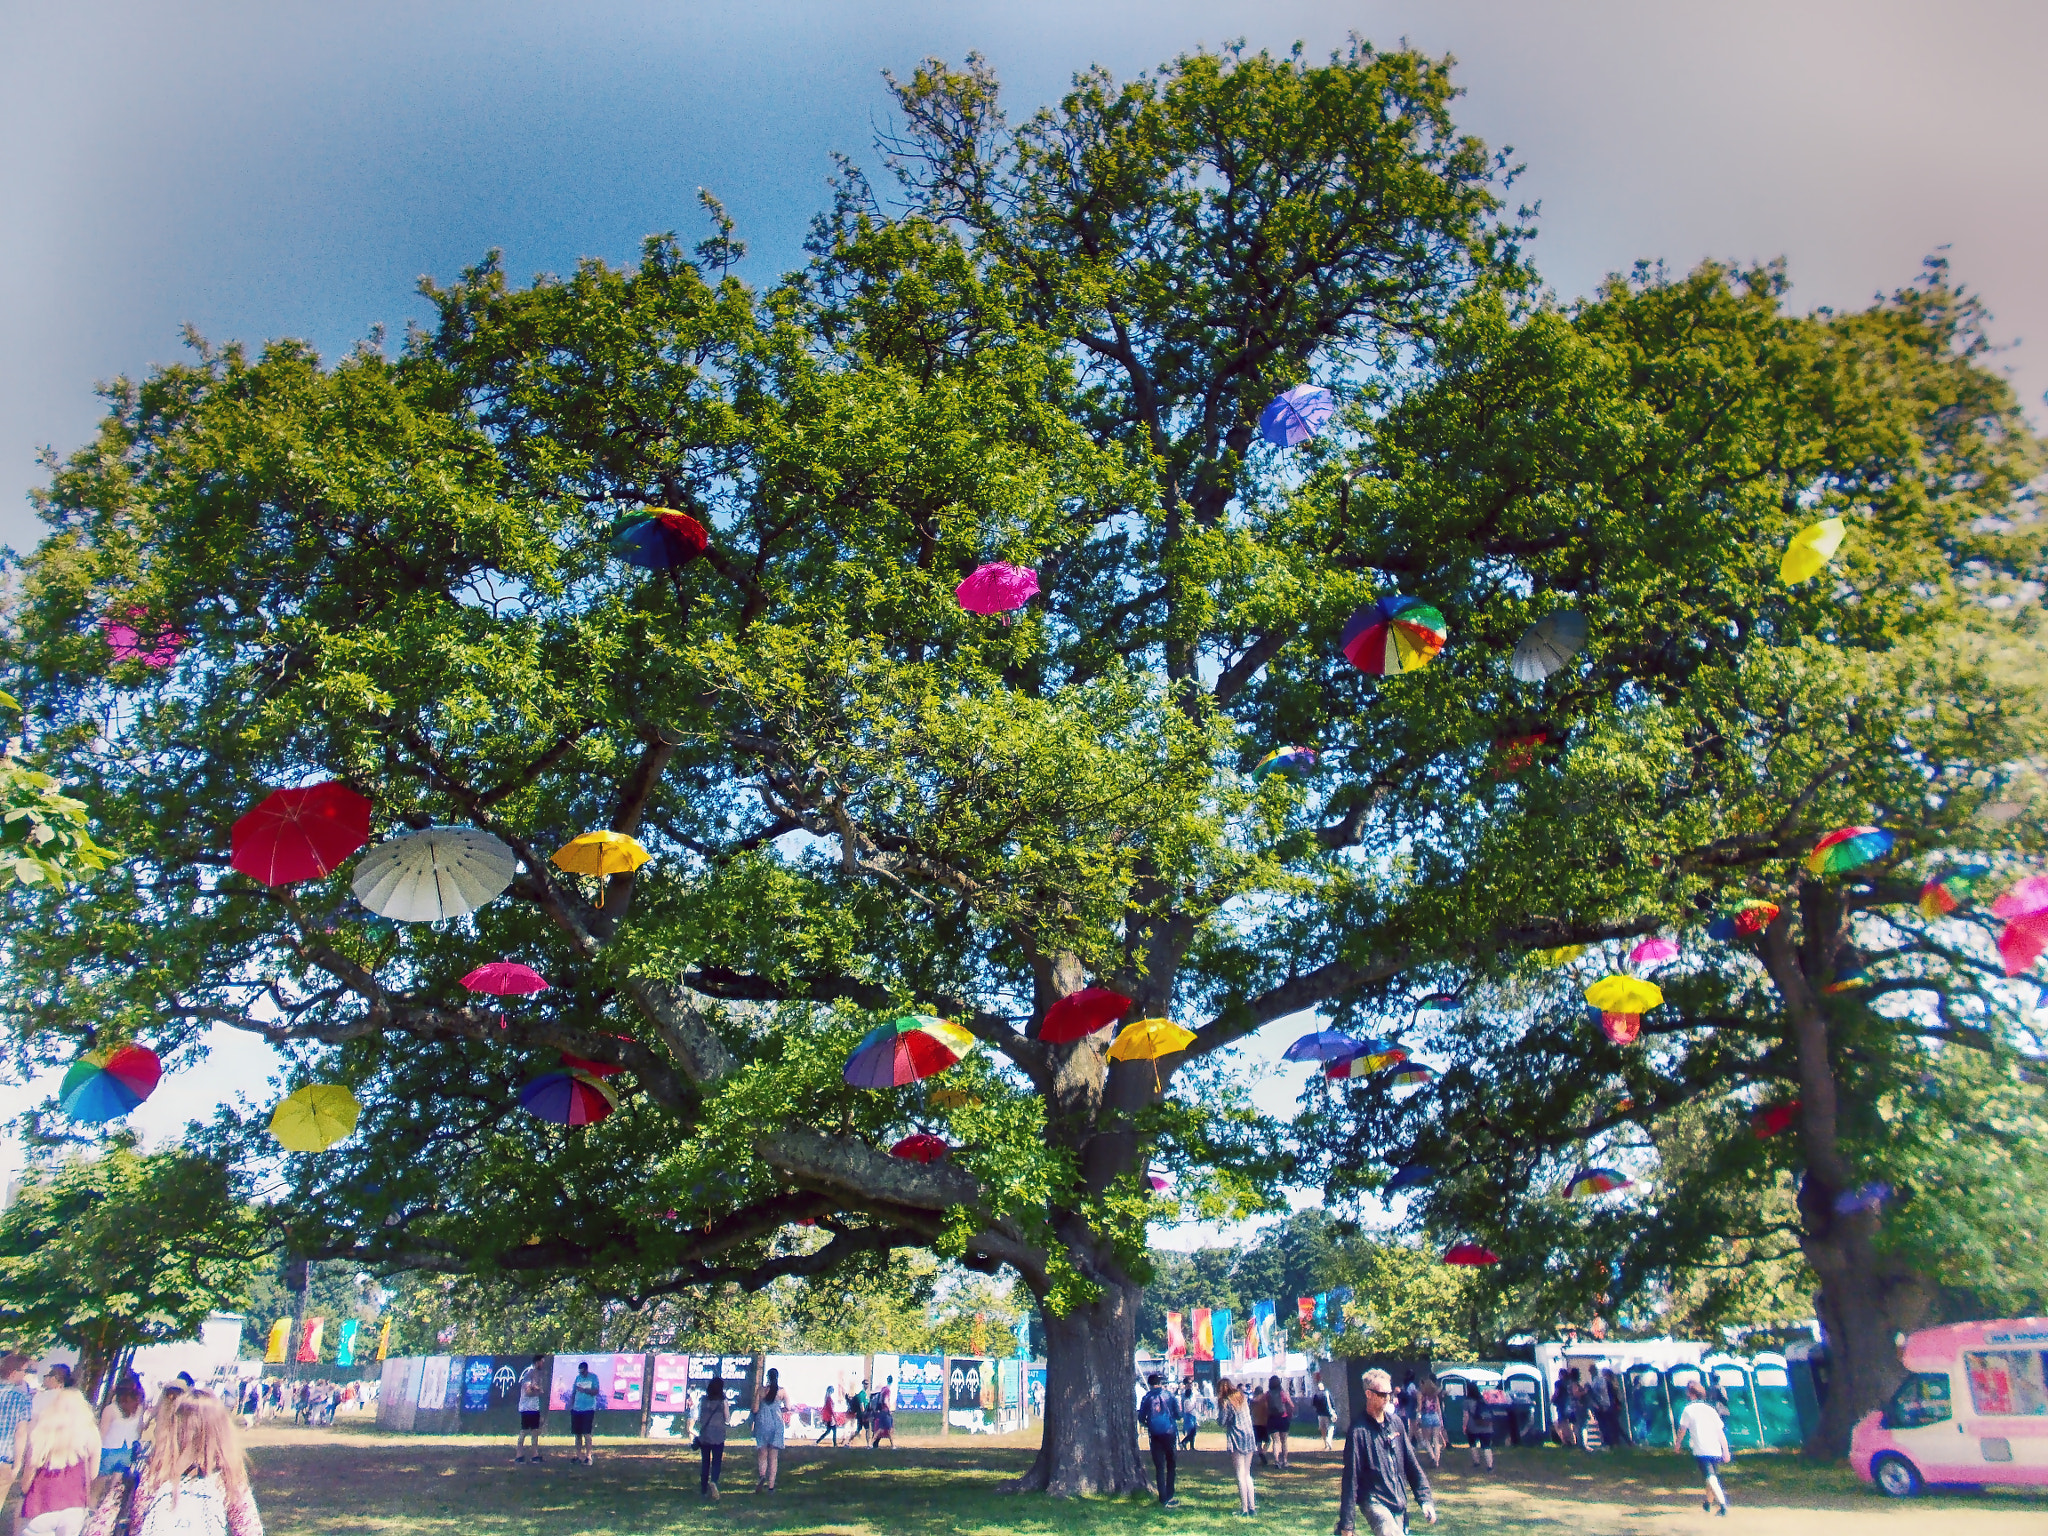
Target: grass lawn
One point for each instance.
(361, 1483)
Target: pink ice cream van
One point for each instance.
(1974, 1410)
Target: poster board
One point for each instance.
(397, 1393)
(490, 1393)
(621, 1382)
(920, 1383)
(970, 1388)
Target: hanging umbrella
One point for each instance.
(1773, 1119)
(1158, 1183)
(1440, 1002)
(314, 1118)
(601, 854)
(1081, 1014)
(2022, 942)
(422, 877)
(1291, 419)
(1148, 1040)
(1285, 760)
(906, 1050)
(1743, 922)
(1851, 971)
(1621, 1028)
(104, 1085)
(593, 1068)
(1413, 1075)
(997, 588)
(568, 1098)
(299, 834)
(1547, 645)
(1848, 848)
(1470, 1254)
(1811, 548)
(1864, 1197)
(1595, 1181)
(1652, 950)
(130, 637)
(505, 978)
(921, 1147)
(1950, 890)
(2026, 897)
(1624, 994)
(1373, 1056)
(1409, 1176)
(1323, 1045)
(1517, 752)
(1558, 958)
(660, 540)
(1393, 634)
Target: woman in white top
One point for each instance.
(120, 1432)
(1700, 1428)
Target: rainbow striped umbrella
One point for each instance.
(1393, 634)
(104, 1085)
(1413, 1075)
(1596, 1181)
(1848, 848)
(568, 1098)
(1285, 760)
(1951, 890)
(1851, 971)
(1373, 1056)
(658, 541)
(906, 1050)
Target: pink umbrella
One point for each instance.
(505, 978)
(2028, 896)
(154, 648)
(2022, 943)
(997, 588)
(1650, 951)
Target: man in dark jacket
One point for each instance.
(1380, 1466)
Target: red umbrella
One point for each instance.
(300, 834)
(1775, 1118)
(1082, 1014)
(1621, 1028)
(922, 1147)
(594, 1068)
(2022, 943)
(1470, 1254)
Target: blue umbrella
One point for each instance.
(1323, 1045)
(1297, 416)
(1409, 1177)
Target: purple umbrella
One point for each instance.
(1297, 416)
(998, 588)
(1323, 1045)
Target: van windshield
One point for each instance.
(1921, 1399)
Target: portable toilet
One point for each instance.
(1453, 1379)
(1532, 1404)
(1806, 1361)
(1775, 1410)
(1729, 1377)
(1649, 1405)
(1676, 1379)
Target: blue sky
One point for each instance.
(291, 169)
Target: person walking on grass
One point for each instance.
(1325, 1411)
(533, 1394)
(1380, 1467)
(1279, 1419)
(195, 1478)
(882, 1417)
(1429, 1419)
(120, 1432)
(1159, 1412)
(583, 1395)
(60, 1455)
(1480, 1424)
(1262, 1423)
(1234, 1418)
(1189, 1423)
(710, 1442)
(829, 1417)
(1701, 1430)
(771, 1429)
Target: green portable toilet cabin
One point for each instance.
(1731, 1376)
(1775, 1410)
(1806, 1361)
(1524, 1384)
(1676, 1379)
(1452, 1379)
(1649, 1405)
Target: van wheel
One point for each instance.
(1896, 1476)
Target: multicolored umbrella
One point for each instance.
(1291, 419)
(130, 637)
(1851, 971)
(314, 1118)
(1373, 1056)
(568, 1098)
(104, 1085)
(659, 540)
(1864, 1197)
(1393, 634)
(2024, 899)
(1773, 1119)
(1951, 890)
(299, 834)
(1409, 1176)
(1082, 1013)
(997, 588)
(1285, 760)
(1440, 1002)
(1810, 549)
(921, 1147)
(601, 854)
(907, 1050)
(1596, 1181)
(1470, 1254)
(2023, 942)
(423, 877)
(595, 1068)
(1621, 1028)
(1323, 1045)
(1652, 951)
(1547, 645)
(1624, 994)
(1743, 922)
(1414, 1075)
(505, 978)
(1848, 848)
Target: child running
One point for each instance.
(1700, 1428)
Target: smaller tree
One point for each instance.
(110, 1252)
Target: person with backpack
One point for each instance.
(1279, 1419)
(1159, 1412)
(533, 1396)
(1485, 1407)
(882, 1415)
(1325, 1411)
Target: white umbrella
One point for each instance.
(1549, 644)
(422, 877)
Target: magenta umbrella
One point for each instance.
(505, 978)
(1650, 951)
(2026, 897)
(998, 588)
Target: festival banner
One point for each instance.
(629, 1376)
(1205, 1339)
(345, 1345)
(280, 1337)
(963, 1386)
(1322, 1308)
(566, 1368)
(921, 1384)
(1176, 1341)
(1219, 1323)
(1259, 1341)
(671, 1383)
(433, 1384)
(384, 1340)
(1305, 1308)
(1034, 1391)
(477, 1371)
(309, 1339)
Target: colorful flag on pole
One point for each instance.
(280, 1339)
(1205, 1341)
(384, 1340)
(1322, 1308)
(310, 1337)
(1305, 1308)
(345, 1345)
(1219, 1320)
(1258, 1340)
(1176, 1341)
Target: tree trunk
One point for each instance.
(1864, 1304)
(1090, 1443)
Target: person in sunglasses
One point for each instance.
(1380, 1467)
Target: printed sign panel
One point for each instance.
(963, 1384)
(433, 1382)
(624, 1392)
(566, 1369)
(671, 1382)
(920, 1383)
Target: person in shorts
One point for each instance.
(1484, 1409)
(1326, 1415)
(1701, 1431)
(882, 1416)
(583, 1394)
(533, 1394)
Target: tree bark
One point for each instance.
(1865, 1302)
(1090, 1443)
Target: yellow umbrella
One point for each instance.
(1812, 547)
(1148, 1040)
(1552, 959)
(314, 1118)
(1624, 994)
(601, 854)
